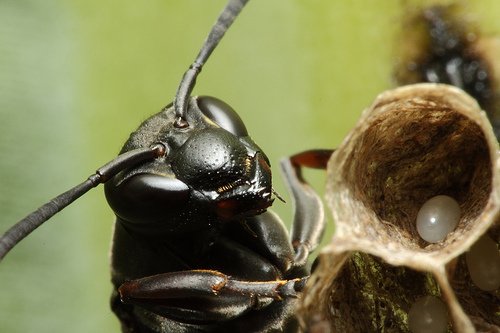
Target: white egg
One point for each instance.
(483, 262)
(437, 217)
(428, 315)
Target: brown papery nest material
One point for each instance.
(413, 143)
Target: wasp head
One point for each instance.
(223, 164)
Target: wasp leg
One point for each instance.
(240, 261)
(266, 235)
(309, 222)
(204, 296)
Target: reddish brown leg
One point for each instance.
(200, 296)
(309, 222)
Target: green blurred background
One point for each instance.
(76, 77)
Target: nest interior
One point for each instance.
(367, 287)
(411, 151)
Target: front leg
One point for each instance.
(266, 235)
(205, 296)
(309, 221)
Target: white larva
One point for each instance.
(437, 217)
(428, 315)
(483, 262)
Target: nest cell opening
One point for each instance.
(414, 152)
(373, 296)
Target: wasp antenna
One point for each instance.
(226, 18)
(280, 198)
(28, 224)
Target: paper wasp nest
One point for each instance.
(413, 143)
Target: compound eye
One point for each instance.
(146, 198)
(222, 114)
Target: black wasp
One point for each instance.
(195, 247)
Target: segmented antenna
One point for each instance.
(226, 18)
(27, 225)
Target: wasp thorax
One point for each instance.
(414, 143)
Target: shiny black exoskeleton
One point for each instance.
(216, 168)
(199, 212)
(195, 248)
